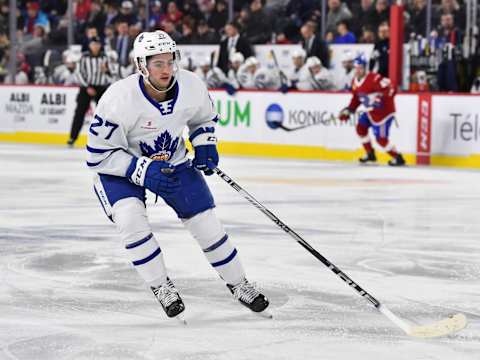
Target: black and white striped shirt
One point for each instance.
(89, 70)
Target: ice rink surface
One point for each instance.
(409, 236)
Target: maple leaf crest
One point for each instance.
(163, 147)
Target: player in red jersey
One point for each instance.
(376, 94)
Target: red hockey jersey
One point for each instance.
(376, 94)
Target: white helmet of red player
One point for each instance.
(147, 44)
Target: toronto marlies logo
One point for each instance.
(163, 149)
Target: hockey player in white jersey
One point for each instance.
(246, 73)
(317, 77)
(298, 60)
(135, 143)
(236, 60)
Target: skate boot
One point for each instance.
(368, 158)
(397, 161)
(167, 295)
(249, 296)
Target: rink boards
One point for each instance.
(435, 129)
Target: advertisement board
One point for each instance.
(457, 125)
(37, 108)
(303, 119)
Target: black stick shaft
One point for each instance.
(298, 238)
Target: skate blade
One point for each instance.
(264, 314)
(181, 319)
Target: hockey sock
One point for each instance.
(142, 248)
(387, 146)
(368, 146)
(219, 251)
(362, 132)
(147, 258)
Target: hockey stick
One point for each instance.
(443, 327)
(283, 77)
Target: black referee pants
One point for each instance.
(83, 103)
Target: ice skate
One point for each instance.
(368, 158)
(167, 295)
(397, 161)
(248, 295)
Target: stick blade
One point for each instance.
(441, 328)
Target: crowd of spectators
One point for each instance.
(42, 26)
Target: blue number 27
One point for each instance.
(98, 121)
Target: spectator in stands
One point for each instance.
(190, 10)
(35, 17)
(123, 42)
(90, 32)
(337, 11)
(127, 13)
(258, 28)
(219, 16)
(109, 39)
(450, 7)
(232, 43)
(299, 11)
(155, 14)
(449, 40)
(23, 69)
(173, 14)
(364, 15)
(97, 17)
(170, 29)
(418, 17)
(313, 44)
(204, 34)
(381, 13)
(187, 33)
(448, 32)
(345, 36)
(111, 13)
(35, 45)
(82, 9)
(368, 36)
(379, 58)
(133, 31)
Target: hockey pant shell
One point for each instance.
(381, 132)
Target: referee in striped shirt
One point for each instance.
(94, 76)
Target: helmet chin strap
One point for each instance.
(162, 91)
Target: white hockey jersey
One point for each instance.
(321, 81)
(128, 122)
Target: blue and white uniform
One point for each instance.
(130, 124)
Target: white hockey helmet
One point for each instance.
(313, 61)
(251, 61)
(147, 44)
(348, 55)
(299, 53)
(237, 58)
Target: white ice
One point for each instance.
(409, 236)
